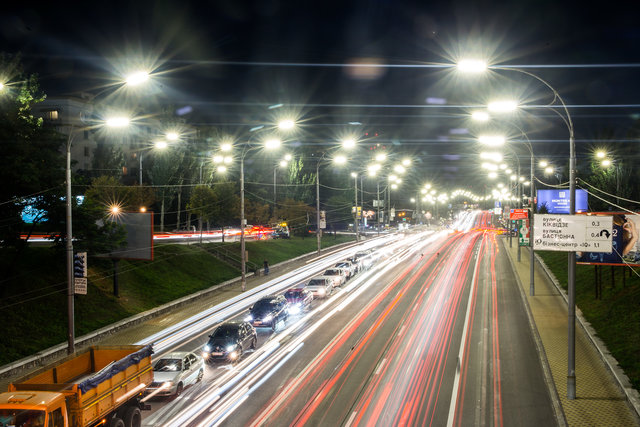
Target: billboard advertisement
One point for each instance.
(139, 227)
(557, 201)
(625, 245)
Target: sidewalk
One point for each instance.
(600, 401)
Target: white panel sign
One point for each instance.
(572, 233)
(80, 285)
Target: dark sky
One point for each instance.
(211, 55)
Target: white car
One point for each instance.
(175, 371)
(339, 276)
(350, 267)
(320, 286)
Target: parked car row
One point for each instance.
(229, 340)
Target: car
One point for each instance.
(268, 311)
(364, 258)
(175, 371)
(229, 341)
(350, 267)
(339, 275)
(320, 286)
(299, 299)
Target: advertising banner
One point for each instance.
(625, 245)
(524, 230)
(518, 214)
(557, 201)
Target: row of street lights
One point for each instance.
(480, 66)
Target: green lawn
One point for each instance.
(33, 291)
(616, 316)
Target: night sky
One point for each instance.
(228, 60)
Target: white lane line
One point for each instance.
(380, 366)
(456, 383)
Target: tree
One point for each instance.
(295, 213)
(165, 170)
(227, 208)
(33, 165)
(202, 203)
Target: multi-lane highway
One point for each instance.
(434, 333)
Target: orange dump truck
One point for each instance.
(100, 386)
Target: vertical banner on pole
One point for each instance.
(524, 235)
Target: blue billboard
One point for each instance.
(557, 201)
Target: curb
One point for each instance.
(546, 368)
(633, 397)
(44, 357)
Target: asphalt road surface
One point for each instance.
(434, 334)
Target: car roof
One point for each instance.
(176, 355)
(296, 289)
(270, 298)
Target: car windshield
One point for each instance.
(227, 331)
(293, 294)
(17, 417)
(332, 273)
(168, 365)
(263, 304)
(316, 283)
(342, 264)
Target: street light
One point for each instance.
(160, 145)
(354, 175)
(269, 144)
(283, 164)
(479, 66)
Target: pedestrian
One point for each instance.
(266, 267)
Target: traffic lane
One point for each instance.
(502, 381)
(413, 386)
(163, 408)
(299, 380)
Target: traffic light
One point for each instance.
(80, 264)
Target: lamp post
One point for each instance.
(269, 144)
(480, 66)
(337, 160)
(160, 145)
(355, 180)
(282, 163)
(114, 122)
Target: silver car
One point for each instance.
(175, 371)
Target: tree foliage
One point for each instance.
(202, 203)
(33, 165)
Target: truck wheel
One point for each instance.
(132, 417)
(116, 422)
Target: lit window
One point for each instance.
(51, 115)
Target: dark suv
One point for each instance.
(268, 311)
(229, 340)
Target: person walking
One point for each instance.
(265, 264)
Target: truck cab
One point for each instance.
(34, 409)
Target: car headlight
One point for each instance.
(231, 348)
(207, 348)
(233, 355)
(249, 318)
(294, 309)
(321, 291)
(205, 354)
(267, 318)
